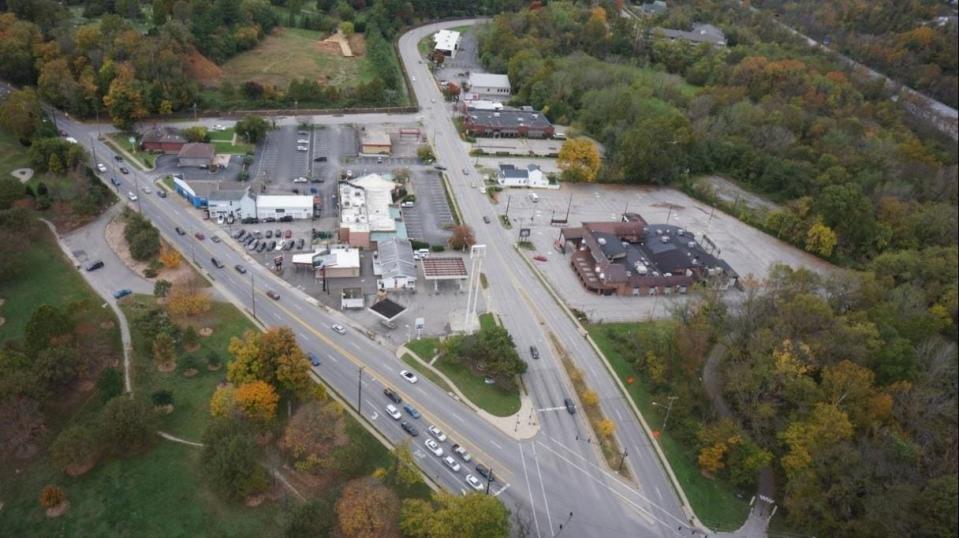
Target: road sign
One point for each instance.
(524, 233)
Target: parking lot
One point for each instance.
(746, 249)
(430, 216)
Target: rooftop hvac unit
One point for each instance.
(598, 268)
(495, 114)
(641, 269)
(602, 276)
(601, 241)
(659, 231)
(689, 272)
(680, 231)
(667, 274)
(664, 239)
(624, 243)
(691, 244)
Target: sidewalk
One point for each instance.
(520, 426)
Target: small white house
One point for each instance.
(394, 266)
(235, 202)
(446, 42)
(489, 84)
(531, 176)
(278, 206)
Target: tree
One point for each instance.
(367, 509)
(252, 128)
(452, 515)
(312, 518)
(821, 240)
(161, 288)
(223, 402)
(21, 425)
(20, 113)
(589, 398)
(605, 428)
(11, 190)
(162, 398)
(164, 351)
(313, 433)
(109, 384)
(425, 154)
(56, 366)
(462, 237)
(405, 472)
(52, 496)
(76, 447)
(230, 460)
(47, 325)
(170, 258)
(825, 426)
(257, 401)
(127, 425)
(124, 99)
(196, 133)
(579, 160)
(346, 28)
(188, 301)
(272, 356)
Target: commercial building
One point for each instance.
(277, 206)
(226, 203)
(376, 142)
(531, 176)
(367, 214)
(701, 33)
(436, 269)
(196, 155)
(490, 84)
(162, 140)
(337, 261)
(394, 266)
(508, 122)
(479, 104)
(446, 42)
(635, 258)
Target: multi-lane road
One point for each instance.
(556, 479)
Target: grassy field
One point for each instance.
(294, 53)
(142, 159)
(421, 368)
(714, 501)
(49, 279)
(191, 396)
(426, 348)
(12, 154)
(224, 143)
(492, 398)
(487, 321)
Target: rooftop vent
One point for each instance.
(601, 241)
(691, 244)
(665, 239)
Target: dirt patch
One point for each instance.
(213, 368)
(190, 372)
(167, 367)
(729, 191)
(77, 469)
(106, 325)
(58, 510)
(114, 237)
(201, 69)
(341, 43)
(358, 44)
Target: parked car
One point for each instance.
(409, 428)
(540, 258)
(240, 269)
(286, 218)
(570, 406)
(289, 245)
(337, 328)
(278, 233)
(303, 141)
(411, 410)
(262, 247)
(288, 234)
(280, 245)
(94, 265)
(436, 432)
(216, 263)
(119, 294)
(238, 234)
(314, 359)
(302, 148)
(392, 411)
(407, 204)
(124, 170)
(179, 231)
(269, 234)
(259, 235)
(301, 179)
(273, 295)
(299, 243)
(320, 159)
(392, 395)
(434, 447)
(272, 245)
(302, 133)
(409, 376)
(533, 352)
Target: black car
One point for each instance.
(486, 219)
(115, 181)
(278, 233)
(239, 234)
(258, 235)
(289, 245)
(393, 396)
(272, 245)
(438, 167)
(240, 269)
(533, 352)
(269, 219)
(299, 244)
(249, 220)
(215, 238)
(179, 231)
(269, 234)
(485, 472)
(118, 158)
(286, 218)
(262, 247)
(409, 428)
(161, 193)
(94, 265)
(320, 160)
(124, 170)
(570, 406)
(217, 263)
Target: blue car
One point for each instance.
(412, 411)
(119, 294)
(314, 360)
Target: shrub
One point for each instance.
(187, 362)
(109, 384)
(52, 496)
(162, 398)
(213, 360)
(190, 337)
(437, 248)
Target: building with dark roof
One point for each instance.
(508, 122)
(633, 257)
(195, 154)
(162, 139)
(701, 33)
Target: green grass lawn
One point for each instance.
(426, 348)
(487, 321)
(191, 396)
(714, 501)
(12, 154)
(225, 135)
(423, 370)
(492, 398)
(232, 149)
(142, 159)
(48, 279)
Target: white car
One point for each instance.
(409, 376)
(436, 432)
(434, 447)
(71, 140)
(301, 179)
(474, 482)
(462, 453)
(302, 148)
(452, 464)
(101, 167)
(132, 197)
(392, 411)
(280, 245)
(338, 328)
(303, 141)
(146, 189)
(218, 127)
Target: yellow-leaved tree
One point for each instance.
(170, 258)
(579, 160)
(257, 401)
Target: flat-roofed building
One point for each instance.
(365, 210)
(447, 42)
(490, 84)
(508, 122)
(376, 142)
(277, 206)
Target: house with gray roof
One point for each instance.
(513, 176)
(701, 33)
(394, 266)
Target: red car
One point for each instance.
(288, 234)
(540, 258)
(199, 236)
(273, 295)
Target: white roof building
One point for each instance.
(365, 208)
(298, 206)
(338, 261)
(490, 84)
(511, 176)
(447, 42)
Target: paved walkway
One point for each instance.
(102, 288)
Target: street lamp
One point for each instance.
(359, 392)
(668, 409)
(253, 294)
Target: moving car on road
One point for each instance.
(217, 263)
(337, 328)
(436, 432)
(179, 231)
(409, 376)
(411, 410)
(101, 167)
(124, 170)
(94, 265)
(215, 238)
(474, 482)
(392, 411)
(199, 236)
(273, 295)
(240, 269)
(434, 447)
(450, 462)
(462, 453)
(570, 406)
(392, 395)
(131, 196)
(409, 428)
(533, 352)
(314, 359)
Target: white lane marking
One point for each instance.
(529, 488)
(356, 347)
(303, 335)
(421, 391)
(618, 414)
(658, 494)
(494, 443)
(542, 487)
(550, 409)
(331, 357)
(501, 490)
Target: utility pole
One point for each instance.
(359, 391)
(489, 480)
(668, 409)
(509, 198)
(564, 524)
(569, 206)
(622, 460)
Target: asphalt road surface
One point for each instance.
(555, 478)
